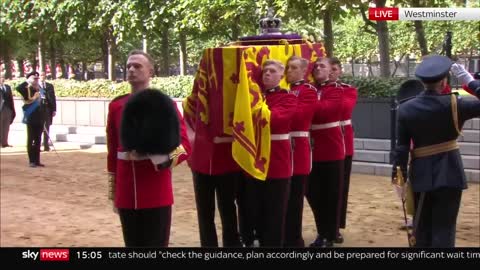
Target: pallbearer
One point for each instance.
(302, 154)
(349, 100)
(267, 200)
(324, 182)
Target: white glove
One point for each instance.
(462, 75)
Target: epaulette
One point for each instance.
(119, 97)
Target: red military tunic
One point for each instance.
(300, 128)
(137, 184)
(349, 100)
(328, 144)
(282, 106)
(211, 155)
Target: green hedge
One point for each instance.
(174, 86)
(181, 86)
(374, 86)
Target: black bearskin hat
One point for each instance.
(409, 89)
(150, 123)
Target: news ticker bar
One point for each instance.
(172, 255)
(424, 14)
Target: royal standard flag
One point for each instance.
(227, 100)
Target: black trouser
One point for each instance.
(34, 136)
(293, 221)
(146, 227)
(344, 192)
(247, 232)
(267, 207)
(225, 187)
(46, 132)
(438, 218)
(323, 190)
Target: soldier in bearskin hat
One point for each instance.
(146, 138)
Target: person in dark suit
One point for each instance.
(50, 109)
(7, 111)
(432, 122)
(34, 115)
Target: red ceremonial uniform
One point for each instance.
(349, 100)
(138, 184)
(328, 144)
(282, 106)
(300, 128)
(211, 155)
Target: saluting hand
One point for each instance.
(463, 76)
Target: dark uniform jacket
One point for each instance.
(51, 99)
(7, 98)
(37, 117)
(427, 120)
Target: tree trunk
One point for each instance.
(7, 60)
(21, 72)
(183, 53)
(145, 43)
(111, 58)
(235, 29)
(353, 66)
(53, 64)
(41, 54)
(62, 67)
(84, 71)
(383, 45)
(328, 31)
(125, 71)
(34, 62)
(105, 54)
(420, 33)
(165, 64)
(397, 64)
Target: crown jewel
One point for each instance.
(270, 25)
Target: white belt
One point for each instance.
(279, 137)
(325, 126)
(156, 159)
(346, 122)
(222, 139)
(299, 134)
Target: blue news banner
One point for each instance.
(39, 256)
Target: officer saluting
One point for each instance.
(432, 121)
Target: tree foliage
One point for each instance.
(80, 31)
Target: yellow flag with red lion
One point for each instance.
(227, 98)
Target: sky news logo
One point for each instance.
(47, 255)
(424, 14)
